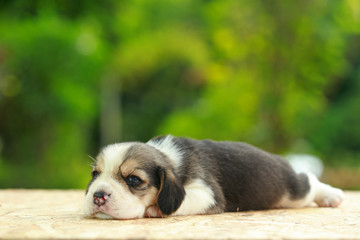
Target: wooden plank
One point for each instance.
(56, 214)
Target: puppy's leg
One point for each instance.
(322, 194)
(325, 195)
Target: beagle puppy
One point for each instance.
(180, 176)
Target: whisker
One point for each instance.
(93, 161)
(92, 158)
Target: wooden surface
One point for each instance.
(51, 214)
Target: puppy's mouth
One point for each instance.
(102, 212)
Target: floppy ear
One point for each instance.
(171, 193)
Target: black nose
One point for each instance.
(100, 198)
(99, 194)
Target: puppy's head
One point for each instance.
(132, 180)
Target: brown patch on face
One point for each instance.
(129, 167)
(132, 167)
(150, 200)
(145, 191)
(151, 197)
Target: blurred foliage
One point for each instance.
(76, 75)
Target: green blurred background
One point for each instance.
(77, 75)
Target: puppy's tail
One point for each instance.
(305, 163)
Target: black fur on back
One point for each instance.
(241, 176)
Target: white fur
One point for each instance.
(113, 155)
(322, 194)
(122, 203)
(169, 148)
(326, 195)
(199, 198)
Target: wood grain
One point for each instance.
(57, 214)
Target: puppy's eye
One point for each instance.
(133, 181)
(95, 174)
